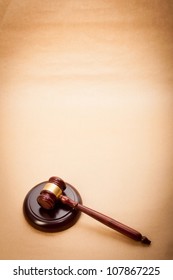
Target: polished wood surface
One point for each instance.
(54, 192)
(62, 217)
(108, 221)
(86, 94)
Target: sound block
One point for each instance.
(60, 218)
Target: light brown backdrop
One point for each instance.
(86, 94)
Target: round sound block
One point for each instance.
(57, 219)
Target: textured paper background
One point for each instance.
(86, 94)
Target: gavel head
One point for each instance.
(51, 192)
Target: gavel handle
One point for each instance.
(129, 232)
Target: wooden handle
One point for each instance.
(131, 233)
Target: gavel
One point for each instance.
(53, 191)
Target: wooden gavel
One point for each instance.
(53, 190)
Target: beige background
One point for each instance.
(86, 94)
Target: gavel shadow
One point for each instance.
(57, 213)
(106, 232)
(98, 228)
(66, 212)
(57, 219)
